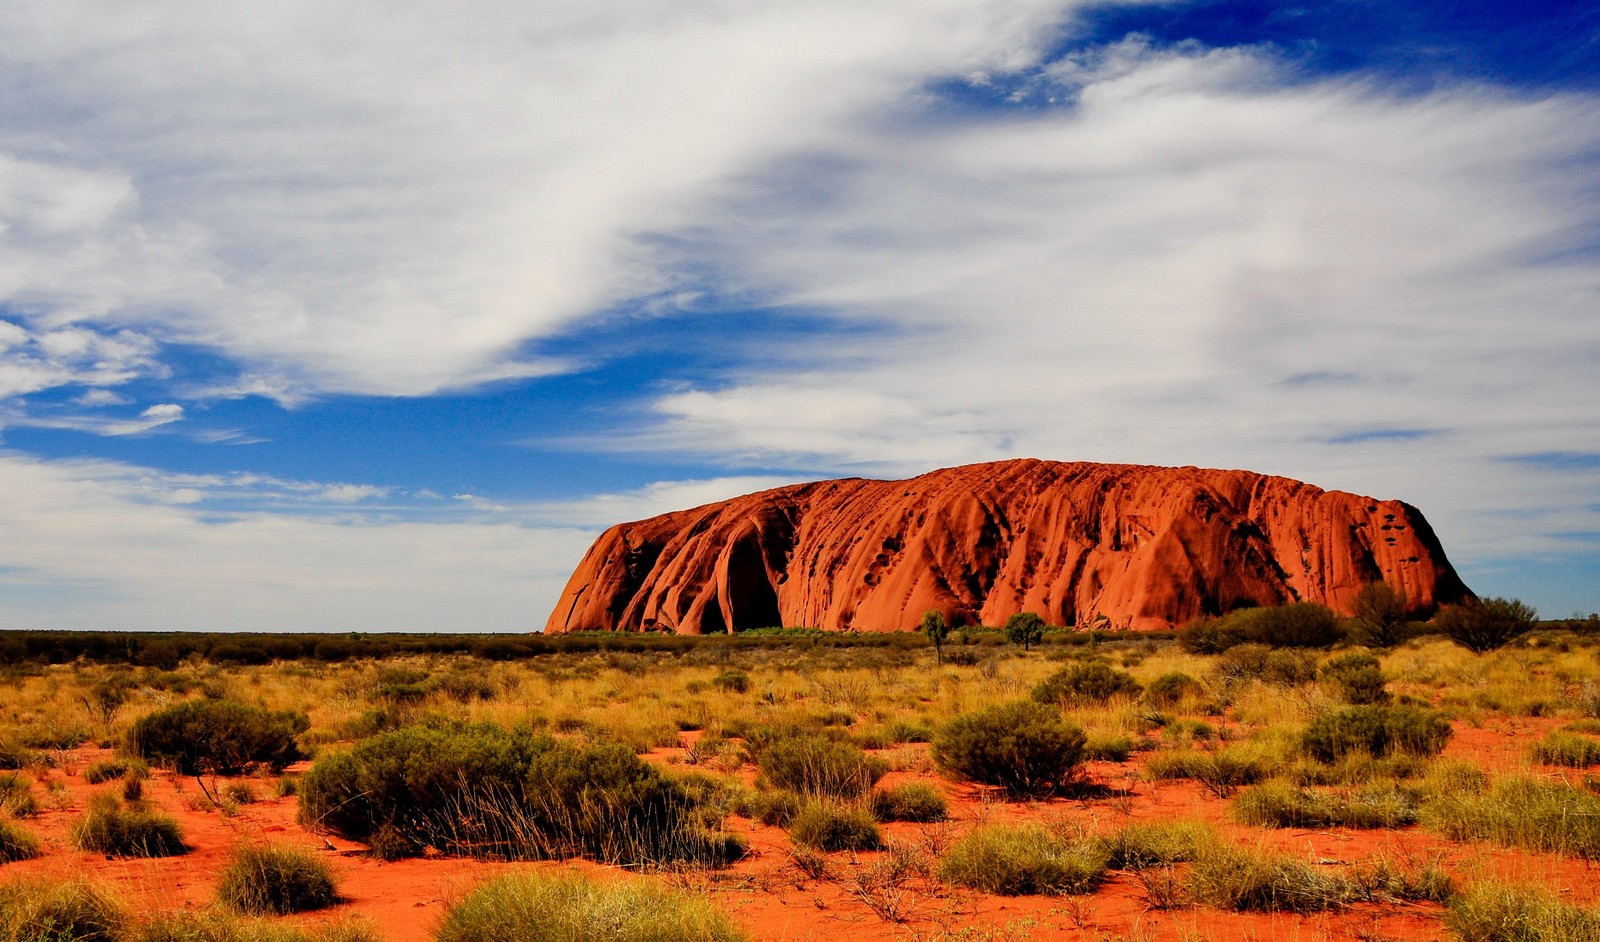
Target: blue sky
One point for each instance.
(327, 316)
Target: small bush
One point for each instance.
(1268, 665)
(57, 911)
(821, 767)
(1380, 616)
(1233, 878)
(276, 879)
(1493, 912)
(1024, 748)
(1355, 678)
(1376, 731)
(17, 843)
(1086, 684)
(116, 831)
(828, 826)
(108, 769)
(16, 796)
(911, 801)
(1577, 752)
(1109, 747)
(1169, 690)
(1484, 625)
(1021, 860)
(217, 736)
(734, 681)
(524, 906)
(772, 807)
(1157, 844)
(1281, 805)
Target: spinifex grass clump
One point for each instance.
(17, 843)
(217, 736)
(1025, 748)
(115, 830)
(1517, 812)
(276, 879)
(107, 770)
(909, 801)
(1157, 844)
(39, 910)
(1222, 772)
(16, 795)
(1493, 912)
(814, 765)
(1282, 805)
(483, 790)
(831, 826)
(1568, 749)
(215, 925)
(524, 906)
(1376, 730)
(1258, 881)
(1024, 859)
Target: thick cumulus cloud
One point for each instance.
(368, 199)
(1198, 262)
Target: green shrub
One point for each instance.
(1296, 625)
(1355, 678)
(59, 911)
(1380, 616)
(1171, 689)
(1233, 878)
(111, 829)
(1517, 811)
(1486, 624)
(487, 791)
(1157, 844)
(1025, 859)
(106, 770)
(1284, 668)
(525, 906)
(217, 736)
(1281, 805)
(910, 801)
(1377, 731)
(1577, 752)
(17, 843)
(276, 879)
(1024, 748)
(1492, 912)
(1086, 684)
(828, 826)
(820, 767)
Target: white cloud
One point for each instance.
(105, 545)
(604, 510)
(1194, 265)
(358, 199)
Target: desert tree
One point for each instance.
(1379, 615)
(937, 629)
(1026, 629)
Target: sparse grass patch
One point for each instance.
(813, 765)
(1518, 812)
(1222, 772)
(276, 879)
(107, 770)
(117, 831)
(1023, 860)
(213, 925)
(522, 906)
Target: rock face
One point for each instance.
(1077, 543)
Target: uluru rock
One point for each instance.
(1077, 543)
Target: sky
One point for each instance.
(364, 316)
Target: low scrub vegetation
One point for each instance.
(1222, 772)
(1518, 811)
(909, 801)
(1262, 881)
(524, 906)
(1355, 678)
(217, 736)
(814, 765)
(1024, 748)
(830, 826)
(17, 843)
(1495, 912)
(1091, 683)
(43, 910)
(1157, 844)
(1376, 731)
(1282, 805)
(1568, 749)
(1019, 860)
(1297, 625)
(278, 879)
(116, 830)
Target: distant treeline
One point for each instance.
(167, 649)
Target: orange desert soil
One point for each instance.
(773, 900)
(1122, 546)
